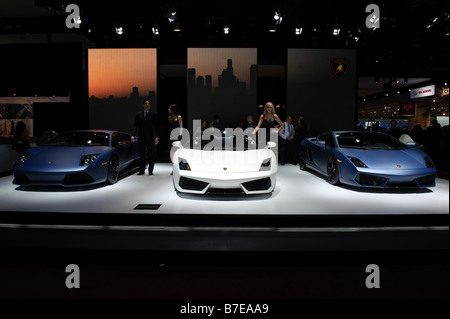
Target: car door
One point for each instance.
(122, 143)
(321, 150)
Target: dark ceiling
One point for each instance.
(407, 44)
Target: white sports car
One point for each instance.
(249, 170)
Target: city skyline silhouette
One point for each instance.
(117, 113)
(232, 99)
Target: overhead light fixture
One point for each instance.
(433, 21)
(119, 30)
(277, 17)
(172, 17)
(336, 31)
(155, 31)
(176, 27)
(298, 31)
(226, 29)
(273, 28)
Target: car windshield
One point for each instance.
(80, 139)
(227, 143)
(368, 140)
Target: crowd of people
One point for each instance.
(433, 139)
(290, 132)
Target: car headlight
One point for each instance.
(356, 161)
(428, 162)
(22, 158)
(265, 165)
(88, 159)
(183, 164)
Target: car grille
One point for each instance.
(192, 184)
(77, 178)
(370, 180)
(426, 180)
(20, 179)
(258, 185)
(402, 185)
(220, 191)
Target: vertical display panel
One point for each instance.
(221, 81)
(322, 86)
(119, 81)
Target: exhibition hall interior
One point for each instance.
(285, 141)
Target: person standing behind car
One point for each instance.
(175, 123)
(147, 131)
(286, 136)
(301, 132)
(269, 121)
(21, 139)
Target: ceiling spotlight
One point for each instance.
(176, 27)
(273, 29)
(226, 29)
(336, 31)
(155, 31)
(172, 17)
(298, 31)
(78, 20)
(356, 39)
(433, 21)
(277, 17)
(119, 30)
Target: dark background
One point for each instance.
(40, 56)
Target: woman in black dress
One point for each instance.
(269, 121)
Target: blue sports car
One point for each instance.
(77, 158)
(367, 159)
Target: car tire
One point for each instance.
(113, 170)
(332, 171)
(302, 161)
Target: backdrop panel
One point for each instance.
(119, 81)
(322, 86)
(221, 81)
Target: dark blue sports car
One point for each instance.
(367, 159)
(77, 158)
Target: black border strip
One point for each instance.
(223, 220)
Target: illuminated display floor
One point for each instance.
(297, 193)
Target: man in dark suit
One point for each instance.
(147, 131)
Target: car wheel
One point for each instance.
(332, 171)
(302, 161)
(113, 170)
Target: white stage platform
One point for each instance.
(297, 193)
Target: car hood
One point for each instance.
(388, 159)
(62, 156)
(225, 161)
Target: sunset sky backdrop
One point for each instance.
(117, 71)
(211, 61)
